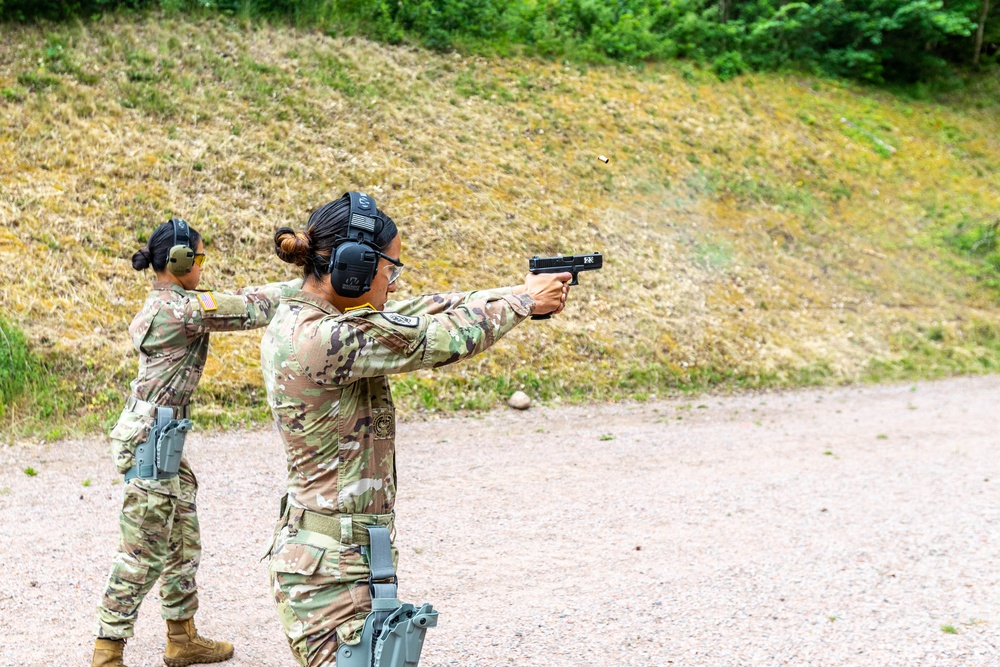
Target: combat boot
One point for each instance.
(108, 653)
(186, 647)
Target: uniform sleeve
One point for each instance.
(372, 343)
(247, 308)
(432, 304)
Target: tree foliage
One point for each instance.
(876, 40)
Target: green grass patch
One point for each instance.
(38, 81)
(147, 97)
(14, 94)
(17, 365)
(932, 353)
(468, 84)
(44, 397)
(979, 244)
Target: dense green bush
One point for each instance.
(16, 364)
(902, 40)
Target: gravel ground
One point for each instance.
(853, 526)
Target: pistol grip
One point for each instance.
(541, 317)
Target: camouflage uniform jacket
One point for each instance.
(325, 374)
(171, 334)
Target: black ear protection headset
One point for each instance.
(181, 257)
(354, 261)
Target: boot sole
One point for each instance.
(184, 662)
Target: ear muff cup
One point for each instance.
(180, 260)
(353, 268)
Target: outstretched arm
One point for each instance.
(370, 343)
(432, 304)
(246, 308)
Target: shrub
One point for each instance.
(899, 40)
(16, 364)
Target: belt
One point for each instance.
(149, 409)
(345, 528)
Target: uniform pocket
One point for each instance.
(126, 585)
(131, 570)
(129, 431)
(305, 592)
(300, 559)
(131, 427)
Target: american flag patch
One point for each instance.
(207, 301)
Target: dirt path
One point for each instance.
(833, 527)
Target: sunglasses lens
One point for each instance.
(199, 260)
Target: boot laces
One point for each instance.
(204, 641)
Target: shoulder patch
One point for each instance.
(207, 301)
(401, 320)
(224, 305)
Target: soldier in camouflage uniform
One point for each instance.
(325, 359)
(158, 522)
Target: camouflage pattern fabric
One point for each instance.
(158, 534)
(325, 374)
(158, 522)
(320, 590)
(171, 334)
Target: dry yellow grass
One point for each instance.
(751, 237)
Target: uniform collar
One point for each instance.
(311, 299)
(167, 285)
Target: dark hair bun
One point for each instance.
(292, 246)
(141, 260)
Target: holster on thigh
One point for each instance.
(393, 635)
(160, 456)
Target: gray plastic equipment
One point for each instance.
(160, 456)
(170, 444)
(393, 635)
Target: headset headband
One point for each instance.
(363, 216)
(182, 233)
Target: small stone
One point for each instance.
(519, 401)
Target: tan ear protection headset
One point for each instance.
(181, 257)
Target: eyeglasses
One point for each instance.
(395, 272)
(199, 258)
(397, 267)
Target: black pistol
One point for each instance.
(568, 263)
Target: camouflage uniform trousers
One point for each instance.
(159, 539)
(320, 587)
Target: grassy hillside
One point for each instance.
(768, 231)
